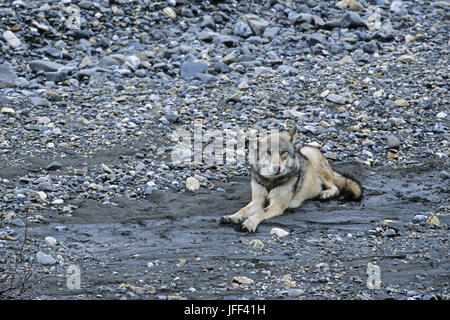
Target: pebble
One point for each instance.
(336, 98)
(192, 184)
(242, 280)
(12, 40)
(279, 232)
(55, 165)
(295, 292)
(45, 259)
(50, 241)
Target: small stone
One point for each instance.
(419, 218)
(7, 110)
(189, 69)
(393, 142)
(242, 280)
(242, 29)
(7, 77)
(389, 233)
(170, 12)
(257, 244)
(192, 184)
(44, 65)
(12, 40)
(401, 103)
(17, 222)
(279, 232)
(295, 292)
(352, 20)
(229, 58)
(55, 165)
(45, 259)
(345, 60)
(433, 221)
(336, 98)
(50, 241)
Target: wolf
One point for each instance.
(283, 177)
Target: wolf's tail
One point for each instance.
(350, 188)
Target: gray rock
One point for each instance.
(336, 98)
(393, 142)
(419, 218)
(271, 32)
(242, 29)
(317, 39)
(189, 69)
(57, 76)
(12, 40)
(39, 102)
(45, 259)
(7, 77)
(55, 165)
(370, 47)
(257, 24)
(44, 65)
(295, 18)
(352, 20)
(225, 40)
(255, 40)
(294, 293)
(107, 62)
(17, 222)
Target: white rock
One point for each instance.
(243, 280)
(192, 184)
(12, 40)
(51, 241)
(279, 232)
(45, 259)
(7, 110)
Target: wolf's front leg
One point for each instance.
(259, 196)
(244, 213)
(276, 207)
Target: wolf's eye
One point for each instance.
(284, 153)
(269, 152)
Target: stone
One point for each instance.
(243, 280)
(170, 12)
(7, 77)
(352, 20)
(55, 165)
(229, 58)
(271, 32)
(242, 29)
(336, 98)
(107, 62)
(295, 292)
(45, 259)
(50, 241)
(393, 142)
(257, 24)
(370, 47)
(279, 232)
(58, 76)
(44, 65)
(401, 103)
(192, 184)
(7, 110)
(189, 69)
(12, 40)
(39, 102)
(256, 243)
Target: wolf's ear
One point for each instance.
(291, 133)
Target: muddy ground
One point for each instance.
(171, 245)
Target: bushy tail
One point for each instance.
(350, 188)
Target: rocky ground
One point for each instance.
(91, 93)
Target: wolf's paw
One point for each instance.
(327, 194)
(230, 219)
(250, 225)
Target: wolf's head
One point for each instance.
(276, 155)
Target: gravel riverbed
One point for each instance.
(92, 92)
